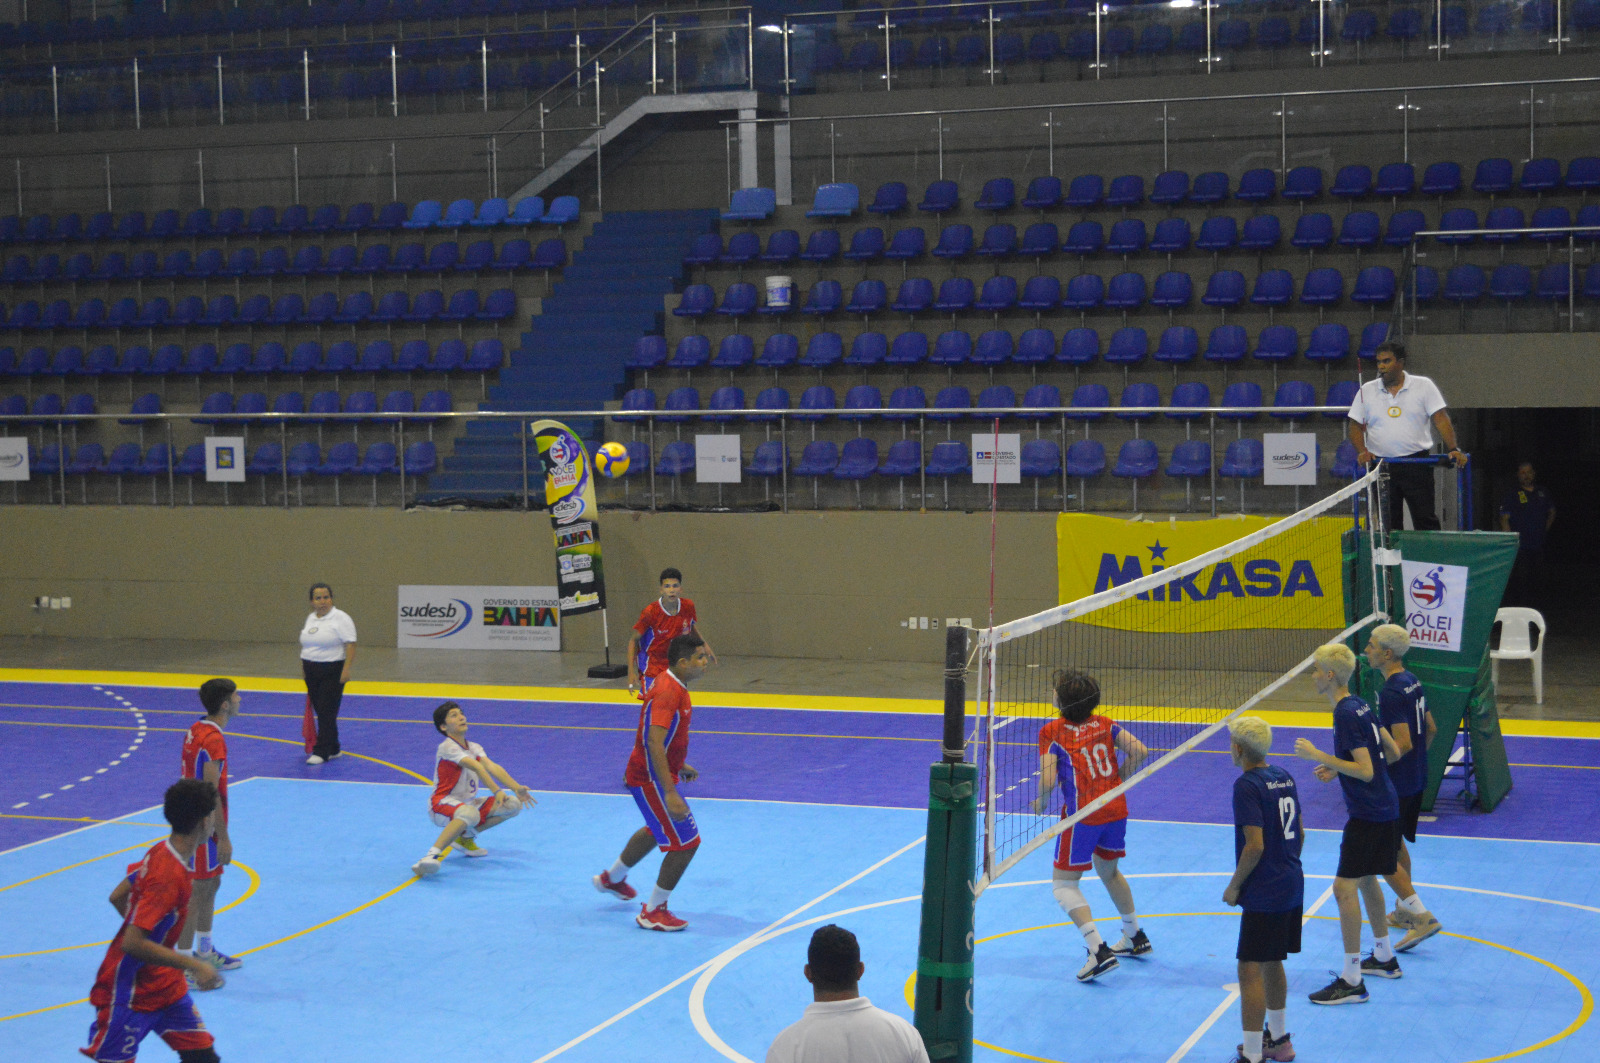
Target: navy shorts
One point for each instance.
(1268, 937)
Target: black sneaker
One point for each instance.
(1339, 991)
(1098, 963)
(1370, 965)
(1137, 947)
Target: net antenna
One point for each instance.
(1172, 672)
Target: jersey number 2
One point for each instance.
(1286, 816)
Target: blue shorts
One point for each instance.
(1079, 844)
(670, 834)
(117, 1030)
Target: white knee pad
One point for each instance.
(1068, 895)
(507, 805)
(466, 814)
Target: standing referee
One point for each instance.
(327, 648)
(1390, 418)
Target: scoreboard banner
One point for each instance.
(479, 618)
(1097, 553)
(574, 517)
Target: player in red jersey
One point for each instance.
(659, 623)
(456, 803)
(205, 756)
(660, 746)
(1088, 744)
(140, 988)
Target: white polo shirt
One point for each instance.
(848, 1031)
(1397, 425)
(323, 637)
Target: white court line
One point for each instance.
(1233, 991)
(727, 955)
(92, 826)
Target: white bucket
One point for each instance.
(780, 292)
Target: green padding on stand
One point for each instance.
(1452, 680)
(944, 970)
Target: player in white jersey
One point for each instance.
(458, 804)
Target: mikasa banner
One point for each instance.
(1300, 571)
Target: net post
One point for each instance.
(943, 1010)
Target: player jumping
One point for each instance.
(205, 756)
(140, 988)
(659, 623)
(659, 747)
(1089, 745)
(456, 804)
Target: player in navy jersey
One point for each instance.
(1268, 884)
(1403, 712)
(1362, 751)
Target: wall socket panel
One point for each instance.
(45, 601)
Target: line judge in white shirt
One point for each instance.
(327, 649)
(1393, 416)
(843, 1026)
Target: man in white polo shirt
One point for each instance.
(843, 1026)
(1391, 418)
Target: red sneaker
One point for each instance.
(620, 890)
(659, 919)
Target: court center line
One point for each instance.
(727, 954)
(1233, 992)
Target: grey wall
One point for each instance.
(1551, 369)
(830, 585)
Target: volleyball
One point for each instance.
(611, 459)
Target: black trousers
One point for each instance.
(1413, 485)
(322, 683)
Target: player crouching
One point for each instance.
(457, 806)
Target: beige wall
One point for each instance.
(833, 585)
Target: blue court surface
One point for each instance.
(808, 817)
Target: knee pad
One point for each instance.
(199, 1055)
(1068, 895)
(507, 805)
(466, 814)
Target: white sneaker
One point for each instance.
(314, 759)
(428, 865)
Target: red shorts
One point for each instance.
(1079, 844)
(671, 834)
(444, 809)
(206, 863)
(116, 1032)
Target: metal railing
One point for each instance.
(785, 419)
(1526, 90)
(1409, 295)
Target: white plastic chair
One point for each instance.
(1515, 645)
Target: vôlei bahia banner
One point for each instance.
(569, 494)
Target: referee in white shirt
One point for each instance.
(1390, 418)
(843, 1026)
(327, 649)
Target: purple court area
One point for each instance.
(79, 745)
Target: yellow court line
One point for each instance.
(326, 922)
(254, 884)
(80, 819)
(81, 863)
(1584, 1012)
(231, 734)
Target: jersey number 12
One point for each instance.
(1286, 816)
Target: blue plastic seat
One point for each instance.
(1172, 236)
(425, 215)
(1128, 346)
(1555, 282)
(869, 297)
(1242, 460)
(817, 397)
(1257, 186)
(909, 243)
(739, 300)
(1125, 191)
(1313, 232)
(1273, 288)
(1079, 347)
(767, 460)
(941, 198)
(891, 198)
(998, 294)
(915, 296)
(1323, 286)
(1341, 393)
(1137, 459)
(998, 194)
(1352, 182)
(1086, 458)
(1403, 227)
(998, 240)
(951, 348)
(1493, 177)
(866, 245)
(1464, 283)
(1085, 238)
(1041, 459)
(955, 295)
(1191, 459)
(1345, 465)
(1173, 290)
(1188, 400)
(698, 300)
(734, 352)
(1089, 402)
(824, 298)
(1126, 291)
(1127, 237)
(1039, 240)
(780, 349)
(705, 251)
(840, 200)
(692, 352)
(821, 246)
(493, 211)
(1361, 229)
(1170, 188)
(1277, 343)
(948, 459)
(823, 350)
(1330, 342)
(751, 204)
(1178, 345)
(1441, 179)
(954, 242)
(782, 246)
(1044, 193)
(1245, 396)
(1041, 293)
(1226, 344)
(819, 458)
(635, 400)
(1138, 394)
(1375, 286)
(680, 399)
(1261, 232)
(724, 399)
(1043, 397)
(564, 210)
(992, 348)
(1085, 191)
(1218, 234)
(903, 459)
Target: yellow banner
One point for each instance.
(1300, 570)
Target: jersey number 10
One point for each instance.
(1099, 761)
